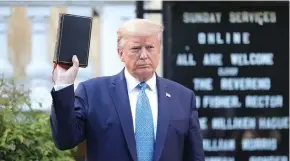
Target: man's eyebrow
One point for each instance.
(135, 41)
(135, 45)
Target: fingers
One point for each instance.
(66, 67)
(65, 74)
(75, 61)
(75, 67)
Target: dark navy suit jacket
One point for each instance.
(99, 112)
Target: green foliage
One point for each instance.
(25, 136)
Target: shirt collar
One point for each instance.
(133, 82)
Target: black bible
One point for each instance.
(73, 38)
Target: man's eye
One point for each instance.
(136, 48)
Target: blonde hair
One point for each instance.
(138, 27)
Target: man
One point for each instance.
(132, 116)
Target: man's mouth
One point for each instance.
(143, 66)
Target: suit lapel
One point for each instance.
(120, 97)
(163, 117)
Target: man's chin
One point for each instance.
(144, 73)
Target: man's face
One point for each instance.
(141, 55)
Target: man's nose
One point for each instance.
(144, 54)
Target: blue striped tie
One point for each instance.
(144, 129)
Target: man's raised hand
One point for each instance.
(66, 75)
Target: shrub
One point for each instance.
(25, 135)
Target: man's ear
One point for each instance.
(120, 53)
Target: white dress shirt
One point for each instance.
(151, 93)
(133, 92)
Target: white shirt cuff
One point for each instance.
(58, 87)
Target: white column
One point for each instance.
(112, 16)
(84, 73)
(39, 69)
(6, 69)
(39, 65)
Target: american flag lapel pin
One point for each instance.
(168, 95)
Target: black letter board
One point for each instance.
(235, 57)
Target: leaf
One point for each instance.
(21, 138)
